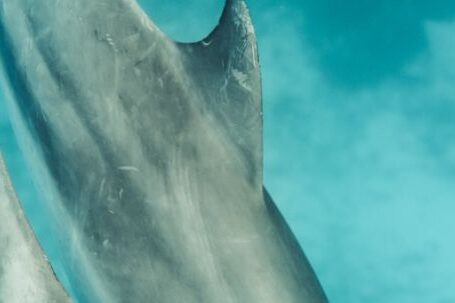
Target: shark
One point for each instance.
(25, 273)
(148, 153)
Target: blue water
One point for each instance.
(359, 104)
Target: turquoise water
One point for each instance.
(359, 108)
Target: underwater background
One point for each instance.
(359, 107)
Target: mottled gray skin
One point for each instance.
(25, 274)
(151, 151)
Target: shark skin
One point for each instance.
(25, 274)
(150, 153)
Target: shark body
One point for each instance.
(25, 274)
(149, 152)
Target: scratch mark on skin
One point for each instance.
(102, 184)
(128, 168)
(206, 43)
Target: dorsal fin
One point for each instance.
(225, 65)
(234, 35)
(233, 39)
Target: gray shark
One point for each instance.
(25, 274)
(149, 154)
